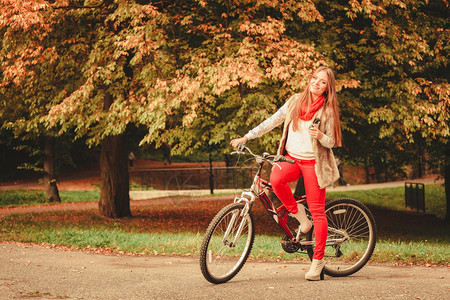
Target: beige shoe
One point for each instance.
(300, 215)
(316, 270)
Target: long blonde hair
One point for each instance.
(330, 107)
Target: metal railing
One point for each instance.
(191, 178)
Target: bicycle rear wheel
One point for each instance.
(356, 224)
(224, 250)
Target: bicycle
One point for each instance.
(229, 238)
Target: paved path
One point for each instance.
(139, 195)
(37, 272)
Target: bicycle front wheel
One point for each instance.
(351, 237)
(227, 243)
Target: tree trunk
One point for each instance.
(447, 182)
(211, 175)
(166, 148)
(367, 171)
(420, 156)
(114, 178)
(420, 165)
(51, 189)
(227, 159)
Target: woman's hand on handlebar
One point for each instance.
(236, 142)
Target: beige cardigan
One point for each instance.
(325, 163)
(326, 168)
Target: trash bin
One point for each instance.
(415, 196)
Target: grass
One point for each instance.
(187, 243)
(21, 197)
(394, 198)
(11, 198)
(404, 237)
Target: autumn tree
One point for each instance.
(93, 67)
(28, 84)
(236, 65)
(125, 59)
(420, 104)
(199, 72)
(398, 50)
(82, 52)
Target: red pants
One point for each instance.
(315, 196)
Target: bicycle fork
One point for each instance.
(230, 227)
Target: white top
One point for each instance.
(299, 143)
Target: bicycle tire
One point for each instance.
(220, 260)
(354, 218)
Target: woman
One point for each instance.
(311, 129)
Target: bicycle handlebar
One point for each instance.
(282, 158)
(264, 157)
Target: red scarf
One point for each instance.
(312, 108)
